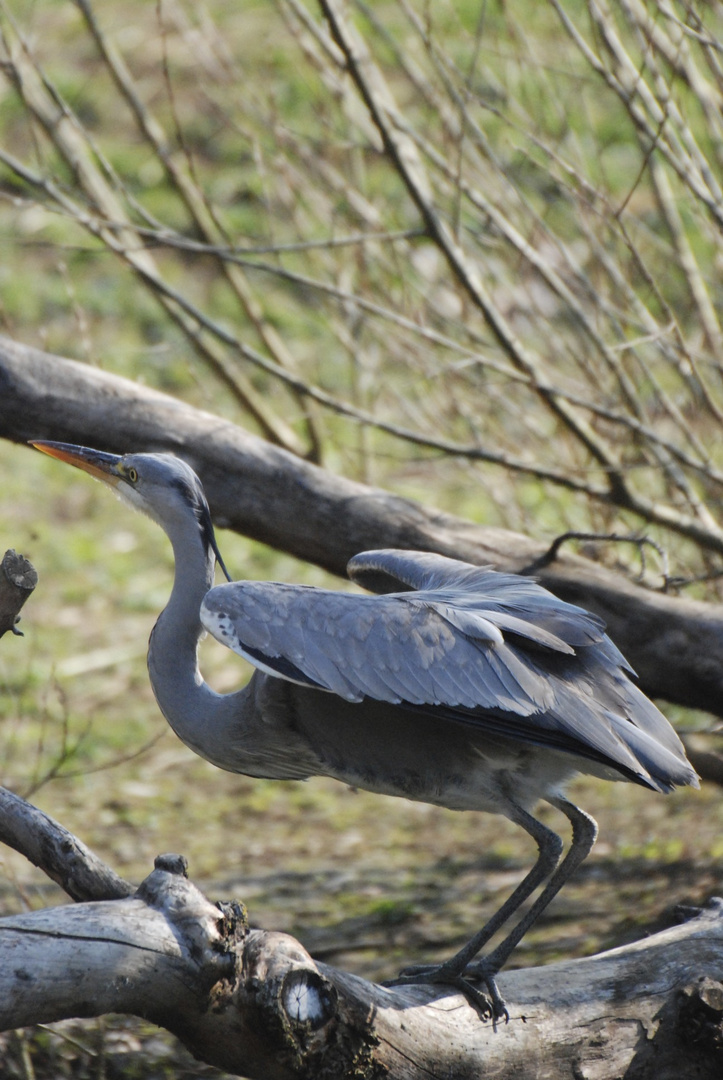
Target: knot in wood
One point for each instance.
(308, 1000)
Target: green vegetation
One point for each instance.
(595, 229)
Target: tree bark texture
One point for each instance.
(675, 644)
(18, 578)
(255, 1003)
(62, 856)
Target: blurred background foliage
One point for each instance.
(518, 322)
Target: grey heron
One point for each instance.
(451, 684)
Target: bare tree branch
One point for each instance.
(575, 338)
(377, 96)
(204, 220)
(44, 102)
(64, 858)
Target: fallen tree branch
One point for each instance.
(262, 491)
(59, 854)
(255, 1003)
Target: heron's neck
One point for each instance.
(197, 714)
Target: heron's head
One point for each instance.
(160, 485)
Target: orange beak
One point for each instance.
(95, 462)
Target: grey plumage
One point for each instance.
(469, 645)
(455, 685)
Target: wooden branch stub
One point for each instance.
(18, 578)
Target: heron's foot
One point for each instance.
(490, 1006)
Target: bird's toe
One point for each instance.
(490, 1006)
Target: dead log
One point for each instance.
(256, 1004)
(675, 644)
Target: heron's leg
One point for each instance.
(450, 972)
(584, 834)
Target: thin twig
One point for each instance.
(640, 542)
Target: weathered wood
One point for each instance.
(256, 1004)
(18, 578)
(675, 644)
(63, 857)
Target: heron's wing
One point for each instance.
(494, 651)
(396, 648)
(518, 604)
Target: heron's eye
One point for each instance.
(132, 475)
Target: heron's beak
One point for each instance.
(100, 465)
